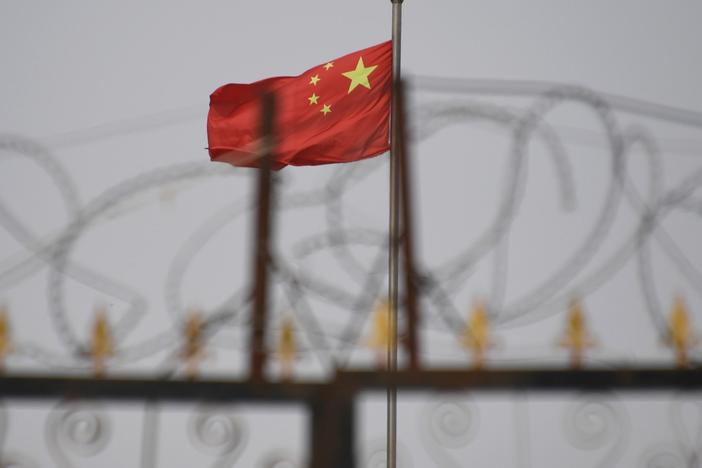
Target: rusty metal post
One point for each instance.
(332, 439)
(261, 260)
(411, 305)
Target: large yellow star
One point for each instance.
(359, 76)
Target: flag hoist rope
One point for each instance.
(393, 266)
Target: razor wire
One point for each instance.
(439, 282)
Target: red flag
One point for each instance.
(335, 112)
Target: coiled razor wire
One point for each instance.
(439, 283)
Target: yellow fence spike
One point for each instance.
(379, 339)
(101, 347)
(680, 334)
(477, 335)
(193, 349)
(576, 336)
(5, 338)
(287, 348)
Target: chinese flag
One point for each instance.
(335, 112)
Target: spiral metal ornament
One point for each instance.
(217, 432)
(82, 430)
(595, 422)
(452, 424)
(376, 455)
(591, 424)
(664, 457)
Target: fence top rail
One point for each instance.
(349, 383)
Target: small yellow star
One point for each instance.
(326, 108)
(313, 99)
(359, 76)
(328, 66)
(314, 80)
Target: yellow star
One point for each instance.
(314, 80)
(326, 108)
(328, 66)
(313, 99)
(359, 76)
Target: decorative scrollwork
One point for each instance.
(452, 424)
(664, 457)
(591, 424)
(448, 424)
(595, 422)
(376, 455)
(77, 429)
(217, 432)
(83, 430)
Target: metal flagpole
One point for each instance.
(394, 234)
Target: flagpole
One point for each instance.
(393, 260)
